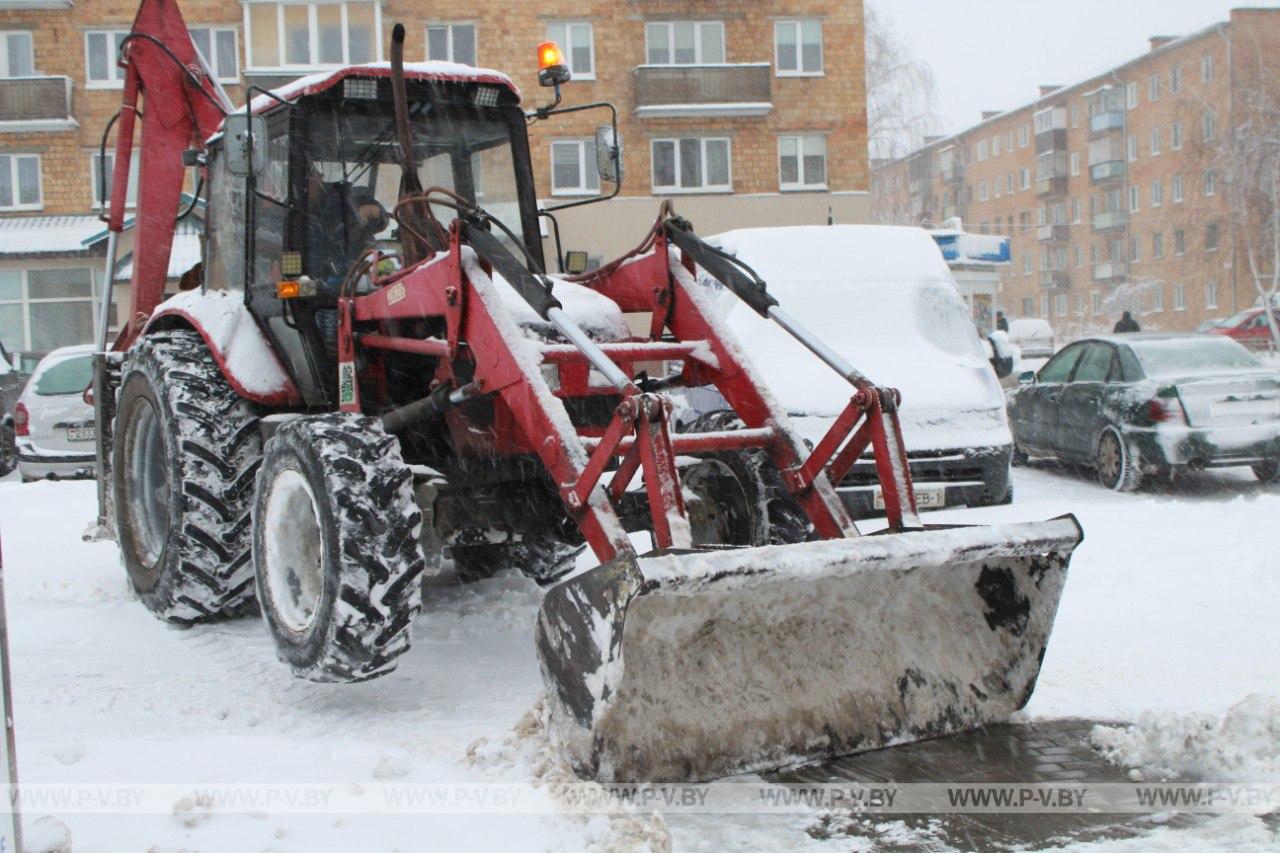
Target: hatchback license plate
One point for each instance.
(83, 433)
(927, 497)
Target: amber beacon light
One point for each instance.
(552, 70)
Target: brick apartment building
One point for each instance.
(1115, 191)
(746, 112)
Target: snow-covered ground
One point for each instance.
(1170, 606)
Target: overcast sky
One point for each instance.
(991, 54)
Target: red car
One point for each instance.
(1249, 327)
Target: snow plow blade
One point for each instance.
(694, 665)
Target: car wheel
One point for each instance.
(1267, 471)
(1116, 462)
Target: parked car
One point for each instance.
(1250, 328)
(1150, 404)
(54, 424)
(10, 388)
(884, 299)
(1033, 336)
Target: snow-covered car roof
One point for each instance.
(882, 297)
(1030, 327)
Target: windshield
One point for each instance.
(68, 376)
(1181, 356)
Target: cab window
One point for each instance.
(1059, 367)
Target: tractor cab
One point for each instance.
(324, 191)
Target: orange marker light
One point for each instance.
(288, 290)
(549, 55)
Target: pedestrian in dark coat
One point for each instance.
(1126, 324)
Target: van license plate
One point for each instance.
(927, 497)
(82, 433)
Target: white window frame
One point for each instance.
(1178, 189)
(25, 301)
(983, 146)
(1154, 143)
(449, 27)
(1131, 147)
(1095, 301)
(698, 58)
(1157, 193)
(213, 31)
(14, 157)
(115, 72)
(1060, 305)
(799, 70)
(1209, 125)
(1157, 245)
(1153, 88)
(1024, 136)
(566, 47)
(4, 51)
(1179, 297)
(1130, 96)
(1044, 306)
(801, 140)
(1075, 163)
(1211, 294)
(704, 188)
(313, 33)
(1157, 299)
(984, 191)
(1175, 136)
(131, 198)
(1024, 179)
(1206, 68)
(586, 167)
(1209, 182)
(1135, 198)
(1175, 79)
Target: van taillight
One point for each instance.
(21, 420)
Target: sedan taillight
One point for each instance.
(21, 420)
(1166, 410)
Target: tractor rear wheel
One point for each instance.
(741, 497)
(186, 450)
(335, 547)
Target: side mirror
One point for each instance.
(609, 154)
(245, 142)
(1027, 377)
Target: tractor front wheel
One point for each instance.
(335, 547)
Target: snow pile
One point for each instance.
(620, 828)
(46, 834)
(1242, 745)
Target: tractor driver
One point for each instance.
(342, 222)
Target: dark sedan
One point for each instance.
(1150, 405)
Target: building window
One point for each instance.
(1179, 297)
(1075, 163)
(692, 164)
(1179, 242)
(1026, 264)
(1135, 250)
(1024, 179)
(1157, 298)
(573, 167)
(1079, 251)
(684, 42)
(1157, 193)
(577, 40)
(97, 174)
(1210, 182)
(1044, 306)
(312, 35)
(1024, 136)
(1210, 294)
(451, 43)
(217, 45)
(1130, 96)
(42, 309)
(101, 47)
(1075, 210)
(1177, 189)
(1133, 199)
(1210, 124)
(1176, 134)
(1008, 140)
(1175, 79)
(20, 182)
(1155, 141)
(1028, 306)
(1211, 237)
(995, 145)
(1060, 305)
(1153, 87)
(984, 191)
(802, 162)
(982, 151)
(17, 57)
(1095, 299)
(1206, 69)
(1075, 115)
(798, 47)
(1132, 145)
(1157, 245)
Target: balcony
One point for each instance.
(1104, 122)
(1053, 233)
(1055, 279)
(1051, 173)
(1109, 171)
(1110, 271)
(1109, 220)
(37, 104)
(676, 91)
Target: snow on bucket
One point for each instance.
(683, 666)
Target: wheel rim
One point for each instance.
(293, 550)
(1109, 459)
(147, 483)
(721, 511)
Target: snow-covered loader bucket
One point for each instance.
(696, 665)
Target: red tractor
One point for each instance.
(376, 369)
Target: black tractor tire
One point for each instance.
(543, 558)
(742, 499)
(1018, 457)
(186, 451)
(1267, 471)
(335, 547)
(1116, 462)
(8, 449)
